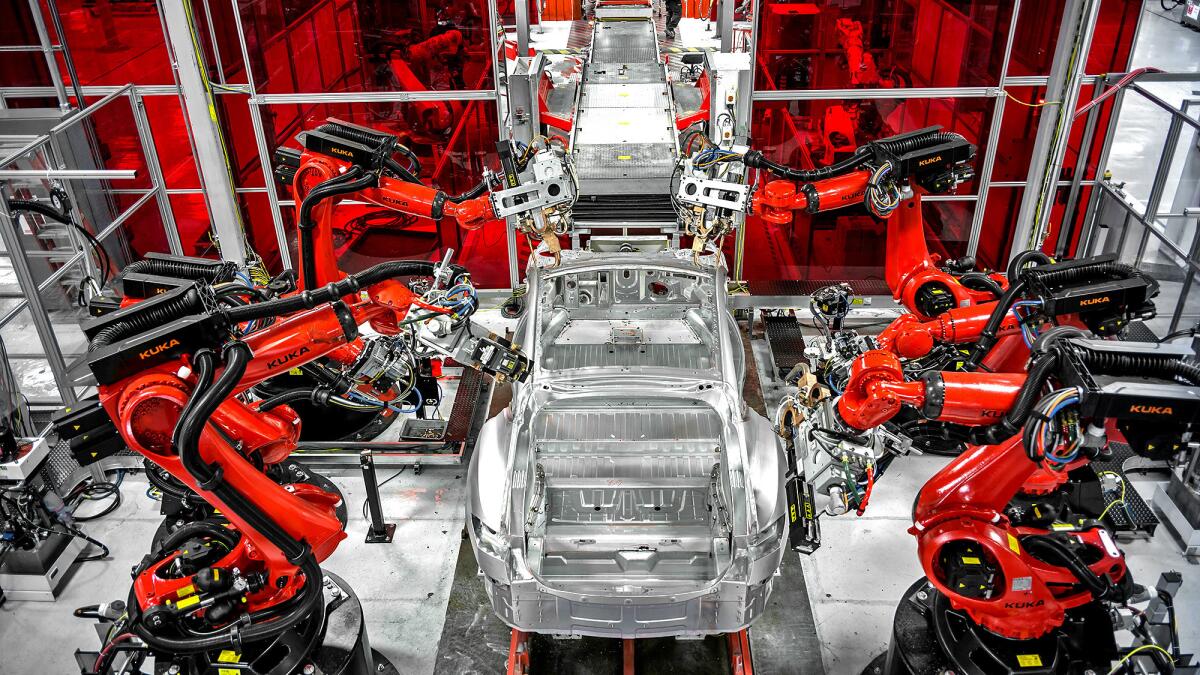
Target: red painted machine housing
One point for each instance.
(910, 266)
(391, 193)
(965, 501)
(241, 439)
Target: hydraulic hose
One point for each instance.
(196, 415)
(1022, 259)
(289, 396)
(1011, 424)
(353, 180)
(988, 338)
(192, 302)
(474, 192)
(307, 299)
(64, 219)
(981, 281)
(1055, 552)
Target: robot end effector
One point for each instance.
(343, 159)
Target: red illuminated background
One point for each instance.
(312, 46)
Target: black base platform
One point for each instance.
(931, 638)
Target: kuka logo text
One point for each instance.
(275, 363)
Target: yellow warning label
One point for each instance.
(1029, 660)
(186, 591)
(1061, 527)
(229, 656)
(184, 603)
(970, 560)
(1014, 544)
(624, 158)
(228, 671)
(295, 371)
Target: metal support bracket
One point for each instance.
(715, 193)
(378, 532)
(530, 196)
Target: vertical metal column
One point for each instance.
(208, 142)
(260, 139)
(725, 24)
(1062, 92)
(984, 180)
(146, 136)
(37, 311)
(522, 17)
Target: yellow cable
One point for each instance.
(1043, 104)
(1130, 655)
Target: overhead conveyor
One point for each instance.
(625, 142)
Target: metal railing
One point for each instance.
(1139, 225)
(42, 163)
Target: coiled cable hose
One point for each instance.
(192, 302)
(371, 140)
(900, 146)
(1110, 268)
(1140, 365)
(1072, 275)
(755, 159)
(183, 269)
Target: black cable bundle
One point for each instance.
(195, 415)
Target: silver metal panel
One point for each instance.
(624, 125)
(620, 160)
(631, 73)
(624, 42)
(638, 95)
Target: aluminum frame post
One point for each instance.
(146, 136)
(39, 24)
(984, 180)
(199, 107)
(1050, 146)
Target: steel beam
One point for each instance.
(208, 142)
